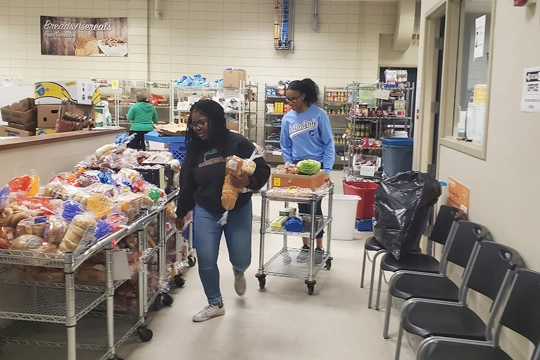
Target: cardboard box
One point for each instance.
(28, 127)
(232, 78)
(48, 115)
(45, 131)
(76, 92)
(312, 182)
(232, 125)
(22, 112)
(9, 131)
(84, 110)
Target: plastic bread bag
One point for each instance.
(88, 178)
(55, 229)
(100, 205)
(71, 209)
(6, 237)
(32, 226)
(4, 197)
(129, 204)
(249, 166)
(80, 234)
(108, 190)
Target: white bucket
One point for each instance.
(344, 216)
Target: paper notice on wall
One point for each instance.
(479, 36)
(476, 114)
(530, 101)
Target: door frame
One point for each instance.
(424, 128)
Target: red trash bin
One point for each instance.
(366, 191)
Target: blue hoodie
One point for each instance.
(308, 135)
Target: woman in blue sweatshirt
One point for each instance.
(306, 133)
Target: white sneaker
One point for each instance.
(209, 312)
(240, 284)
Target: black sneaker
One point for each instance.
(319, 256)
(303, 256)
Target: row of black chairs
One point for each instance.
(436, 308)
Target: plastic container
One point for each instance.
(366, 191)
(364, 225)
(343, 217)
(397, 155)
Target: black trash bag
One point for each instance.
(403, 203)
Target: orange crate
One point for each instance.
(312, 182)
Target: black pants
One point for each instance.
(306, 209)
(138, 142)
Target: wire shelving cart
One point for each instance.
(284, 263)
(71, 319)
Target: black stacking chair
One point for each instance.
(419, 262)
(521, 314)
(458, 250)
(493, 270)
(371, 244)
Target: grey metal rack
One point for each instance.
(68, 320)
(283, 263)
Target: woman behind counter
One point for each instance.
(143, 115)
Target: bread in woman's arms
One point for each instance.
(234, 165)
(229, 194)
(249, 167)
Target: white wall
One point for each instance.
(49, 159)
(388, 57)
(204, 37)
(504, 187)
(20, 39)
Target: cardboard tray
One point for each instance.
(312, 182)
(22, 112)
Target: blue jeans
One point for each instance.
(208, 234)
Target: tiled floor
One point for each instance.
(280, 322)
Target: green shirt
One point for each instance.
(143, 115)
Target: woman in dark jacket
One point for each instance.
(209, 143)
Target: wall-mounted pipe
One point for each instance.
(315, 18)
(157, 13)
(405, 25)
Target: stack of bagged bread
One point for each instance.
(80, 225)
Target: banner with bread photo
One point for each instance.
(71, 36)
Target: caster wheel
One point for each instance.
(145, 334)
(179, 281)
(167, 299)
(157, 303)
(310, 289)
(328, 264)
(191, 260)
(262, 281)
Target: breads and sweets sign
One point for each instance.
(84, 36)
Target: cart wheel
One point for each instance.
(262, 281)
(191, 260)
(310, 289)
(157, 303)
(145, 334)
(167, 299)
(328, 264)
(179, 281)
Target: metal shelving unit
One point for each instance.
(337, 104)
(245, 116)
(365, 123)
(272, 125)
(283, 263)
(73, 320)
